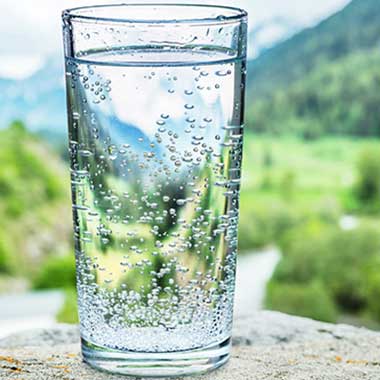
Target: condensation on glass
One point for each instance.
(155, 98)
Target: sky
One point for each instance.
(30, 30)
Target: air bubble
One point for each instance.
(85, 153)
(222, 73)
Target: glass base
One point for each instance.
(170, 364)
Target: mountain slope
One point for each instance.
(355, 28)
(325, 80)
(337, 98)
(34, 202)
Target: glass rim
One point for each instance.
(78, 13)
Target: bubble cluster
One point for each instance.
(155, 203)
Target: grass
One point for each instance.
(312, 170)
(287, 181)
(34, 203)
(292, 188)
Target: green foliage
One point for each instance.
(264, 223)
(23, 164)
(368, 184)
(338, 98)
(273, 219)
(304, 183)
(348, 259)
(33, 187)
(327, 209)
(6, 261)
(354, 29)
(268, 159)
(322, 81)
(69, 310)
(308, 187)
(287, 184)
(302, 252)
(18, 127)
(373, 293)
(310, 300)
(342, 262)
(56, 272)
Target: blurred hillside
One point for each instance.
(309, 100)
(322, 81)
(35, 220)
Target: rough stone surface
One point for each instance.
(267, 345)
(61, 335)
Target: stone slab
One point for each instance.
(267, 345)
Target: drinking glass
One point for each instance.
(155, 96)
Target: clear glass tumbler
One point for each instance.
(155, 97)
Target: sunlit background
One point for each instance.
(310, 219)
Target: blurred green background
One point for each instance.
(311, 182)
